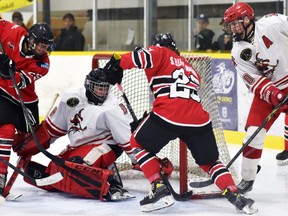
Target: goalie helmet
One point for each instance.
(97, 86)
(166, 40)
(40, 33)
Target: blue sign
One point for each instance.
(225, 86)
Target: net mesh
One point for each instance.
(136, 88)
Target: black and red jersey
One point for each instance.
(174, 83)
(28, 68)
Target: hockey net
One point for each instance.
(136, 88)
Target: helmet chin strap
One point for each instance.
(249, 36)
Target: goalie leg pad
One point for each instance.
(94, 186)
(93, 155)
(24, 143)
(37, 171)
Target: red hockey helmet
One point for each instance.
(238, 11)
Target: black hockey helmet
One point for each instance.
(166, 40)
(97, 86)
(40, 33)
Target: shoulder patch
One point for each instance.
(42, 64)
(72, 102)
(246, 54)
(123, 107)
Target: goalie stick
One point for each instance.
(57, 160)
(266, 120)
(178, 197)
(39, 182)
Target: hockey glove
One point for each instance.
(276, 97)
(6, 64)
(113, 70)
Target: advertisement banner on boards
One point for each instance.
(225, 86)
(11, 5)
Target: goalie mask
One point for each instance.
(40, 39)
(235, 16)
(97, 86)
(166, 40)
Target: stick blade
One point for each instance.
(52, 179)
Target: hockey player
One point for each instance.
(25, 56)
(97, 126)
(282, 157)
(177, 112)
(259, 55)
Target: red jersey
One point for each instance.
(174, 82)
(28, 68)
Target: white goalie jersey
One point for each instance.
(264, 61)
(84, 122)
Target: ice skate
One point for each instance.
(245, 186)
(117, 192)
(282, 158)
(242, 204)
(159, 197)
(2, 183)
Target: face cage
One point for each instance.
(98, 87)
(237, 35)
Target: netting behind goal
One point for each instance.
(136, 88)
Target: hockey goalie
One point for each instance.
(97, 126)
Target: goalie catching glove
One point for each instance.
(113, 69)
(6, 64)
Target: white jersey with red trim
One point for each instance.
(264, 62)
(174, 82)
(85, 123)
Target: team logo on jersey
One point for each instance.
(246, 54)
(72, 102)
(11, 45)
(76, 123)
(265, 66)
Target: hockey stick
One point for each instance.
(266, 120)
(57, 160)
(178, 197)
(127, 102)
(21, 160)
(39, 182)
(61, 162)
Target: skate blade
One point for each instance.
(12, 197)
(249, 210)
(282, 162)
(118, 197)
(160, 204)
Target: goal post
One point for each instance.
(136, 88)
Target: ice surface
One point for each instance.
(270, 193)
